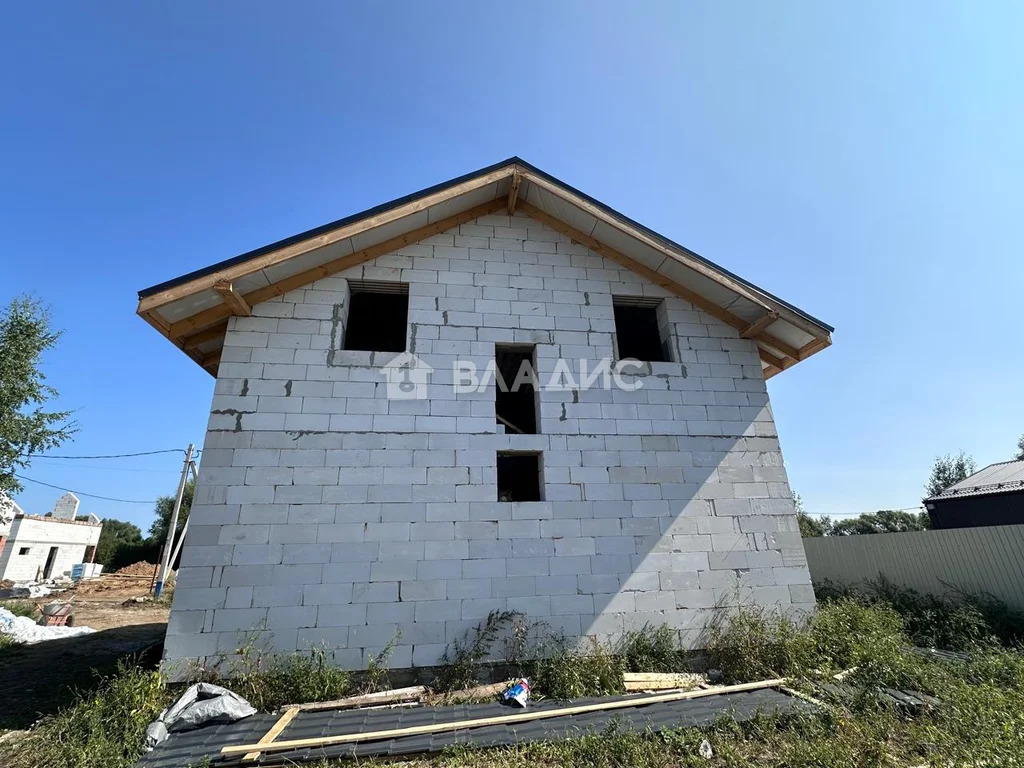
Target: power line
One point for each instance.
(110, 456)
(81, 493)
(114, 469)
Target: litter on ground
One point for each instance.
(299, 736)
(25, 630)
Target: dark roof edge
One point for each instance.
(450, 183)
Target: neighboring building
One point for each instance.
(991, 496)
(37, 548)
(348, 492)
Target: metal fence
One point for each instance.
(976, 560)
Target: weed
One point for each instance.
(270, 681)
(24, 608)
(376, 677)
(957, 620)
(103, 729)
(651, 649)
(462, 658)
(565, 672)
(754, 644)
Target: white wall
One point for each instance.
(337, 516)
(39, 535)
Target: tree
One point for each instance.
(809, 527)
(116, 536)
(25, 428)
(949, 470)
(164, 510)
(882, 521)
(1020, 448)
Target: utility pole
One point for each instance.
(172, 528)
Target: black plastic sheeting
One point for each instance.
(190, 748)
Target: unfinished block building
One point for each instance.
(349, 491)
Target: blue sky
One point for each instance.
(861, 160)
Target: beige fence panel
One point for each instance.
(989, 559)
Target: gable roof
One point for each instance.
(192, 310)
(1004, 477)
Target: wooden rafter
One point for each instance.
(668, 284)
(782, 363)
(213, 315)
(235, 303)
(513, 193)
(759, 325)
(343, 232)
(210, 360)
(198, 339)
(815, 345)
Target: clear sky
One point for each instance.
(863, 160)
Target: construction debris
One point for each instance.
(394, 696)
(394, 732)
(660, 681)
(200, 704)
(25, 630)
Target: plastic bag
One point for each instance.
(200, 704)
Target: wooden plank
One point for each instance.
(368, 699)
(513, 193)
(653, 681)
(759, 325)
(232, 299)
(209, 317)
(282, 722)
(811, 347)
(328, 238)
(522, 717)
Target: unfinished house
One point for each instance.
(364, 474)
(44, 547)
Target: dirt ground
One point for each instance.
(100, 604)
(45, 676)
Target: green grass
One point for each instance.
(980, 721)
(101, 730)
(21, 608)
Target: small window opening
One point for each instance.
(519, 477)
(378, 314)
(23, 551)
(515, 403)
(636, 330)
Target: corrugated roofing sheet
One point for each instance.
(1005, 477)
(190, 748)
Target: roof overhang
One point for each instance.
(192, 310)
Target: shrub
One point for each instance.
(21, 608)
(461, 659)
(957, 620)
(650, 649)
(269, 682)
(104, 729)
(377, 677)
(564, 672)
(754, 644)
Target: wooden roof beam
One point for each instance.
(214, 315)
(655, 277)
(232, 298)
(759, 325)
(198, 339)
(513, 193)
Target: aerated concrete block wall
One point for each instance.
(333, 515)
